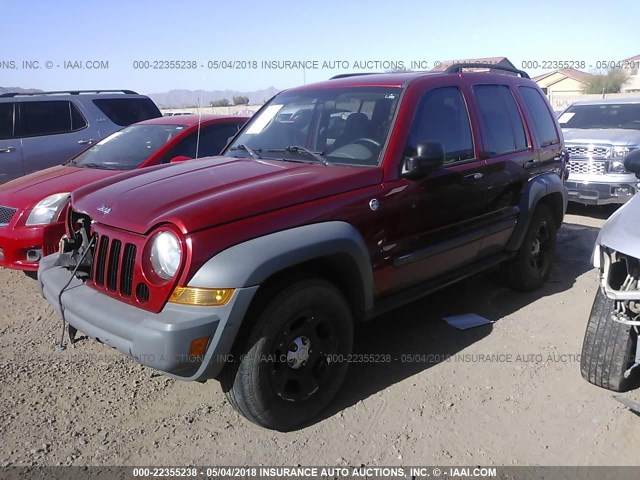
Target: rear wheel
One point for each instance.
(294, 360)
(608, 349)
(532, 265)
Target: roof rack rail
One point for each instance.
(345, 75)
(457, 68)
(71, 92)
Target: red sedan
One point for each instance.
(32, 207)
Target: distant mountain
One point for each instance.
(18, 90)
(189, 98)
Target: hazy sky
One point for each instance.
(122, 32)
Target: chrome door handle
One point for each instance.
(87, 141)
(473, 177)
(7, 150)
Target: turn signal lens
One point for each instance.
(198, 346)
(210, 297)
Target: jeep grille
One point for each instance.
(113, 266)
(587, 168)
(6, 214)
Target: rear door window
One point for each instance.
(543, 123)
(6, 121)
(503, 130)
(125, 111)
(49, 118)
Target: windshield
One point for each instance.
(128, 148)
(332, 125)
(623, 115)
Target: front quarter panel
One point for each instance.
(252, 262)
(621, 231)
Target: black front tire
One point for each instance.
(533, 263)
(31, 274)
(273, 385)
(608, 349)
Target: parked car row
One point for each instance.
(332, 204)
(33, 207)
(40, 130)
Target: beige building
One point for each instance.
(566, 81)
(633, 84)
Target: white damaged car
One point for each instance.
(610, 350)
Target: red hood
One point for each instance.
(203, 193)
(25, 192)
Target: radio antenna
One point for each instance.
(199, 124)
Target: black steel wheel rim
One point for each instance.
(297, 374)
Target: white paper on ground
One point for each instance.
(468, 320)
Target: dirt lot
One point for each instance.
(91, 406)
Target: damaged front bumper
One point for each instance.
(620, 281)
(159, 340)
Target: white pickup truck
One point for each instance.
(598, 134)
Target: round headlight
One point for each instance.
(166, 254)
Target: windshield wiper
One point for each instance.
(250, 151)
(98, 165)
(317, 156)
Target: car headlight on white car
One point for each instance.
(166, 254)
(619, 152)
(47, 209)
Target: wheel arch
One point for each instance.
(332, 250)
(546, 189)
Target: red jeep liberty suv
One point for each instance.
(337, 201)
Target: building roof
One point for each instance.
(577, 75)
(635, 58)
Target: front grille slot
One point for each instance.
(6, 214)
(587, 168)
(101, 260)
(114, 263)
(126, 278)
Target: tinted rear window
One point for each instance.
(503, 131)
(125, 111)
(540, 115)
(6, 120)
(49, 118)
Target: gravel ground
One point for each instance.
(91, 406)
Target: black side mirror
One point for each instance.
(632, 163)
(429, 156)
